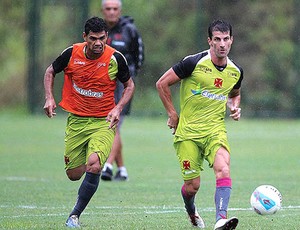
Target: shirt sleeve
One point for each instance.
(186, 66)
(123, 70)
(62, 61)
(239, 83)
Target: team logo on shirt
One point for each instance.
(87, 93)
(101, 64)
(118, 43)
(208, 94)
(197, 90)
(118, 36)
(218, 82)
(78, 62)
(230, 74)
(205, 69)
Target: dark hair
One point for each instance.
(219, 25)
(95, 25)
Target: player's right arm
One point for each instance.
(163, 87)
(50, 104)
(57, 66)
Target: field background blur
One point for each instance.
(266, 45)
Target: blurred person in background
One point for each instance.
(124, 37)
(91, 69)
(209, 81)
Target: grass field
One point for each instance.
(36, 194)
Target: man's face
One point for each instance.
(95, 43)
(111, 11)
(220, 43)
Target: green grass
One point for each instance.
(36, 194)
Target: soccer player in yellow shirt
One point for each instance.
(210, 81)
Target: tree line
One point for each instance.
(266, 45)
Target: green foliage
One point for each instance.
(13, 51)
(266, 44)
(278, 78)
(36, 194)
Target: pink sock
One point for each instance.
(223, 182)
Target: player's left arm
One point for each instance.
(127, 94)
(124, 77)
(233, 104)
(114, 115)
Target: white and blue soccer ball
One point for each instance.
(266, 200)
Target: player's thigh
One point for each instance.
(101, 141)
(190, 159)
(222, 163)
(75, 142)
(214, 144)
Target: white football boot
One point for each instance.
(226, 224)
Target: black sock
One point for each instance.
(86, 190)
(188, 201)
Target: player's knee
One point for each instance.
(192, 188)
(93, 164)
(93, 168)
(222, 172)
(76, 173)
(73, 176)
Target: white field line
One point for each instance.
(23, 179)
(126, 210)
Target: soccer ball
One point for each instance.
(266, 200)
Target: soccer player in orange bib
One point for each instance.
(91, 69)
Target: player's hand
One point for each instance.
(49, 108)
(113, 118)
(172, 122)
(235, 113)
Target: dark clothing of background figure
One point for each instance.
(125, 38)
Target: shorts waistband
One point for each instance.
(75, 115)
